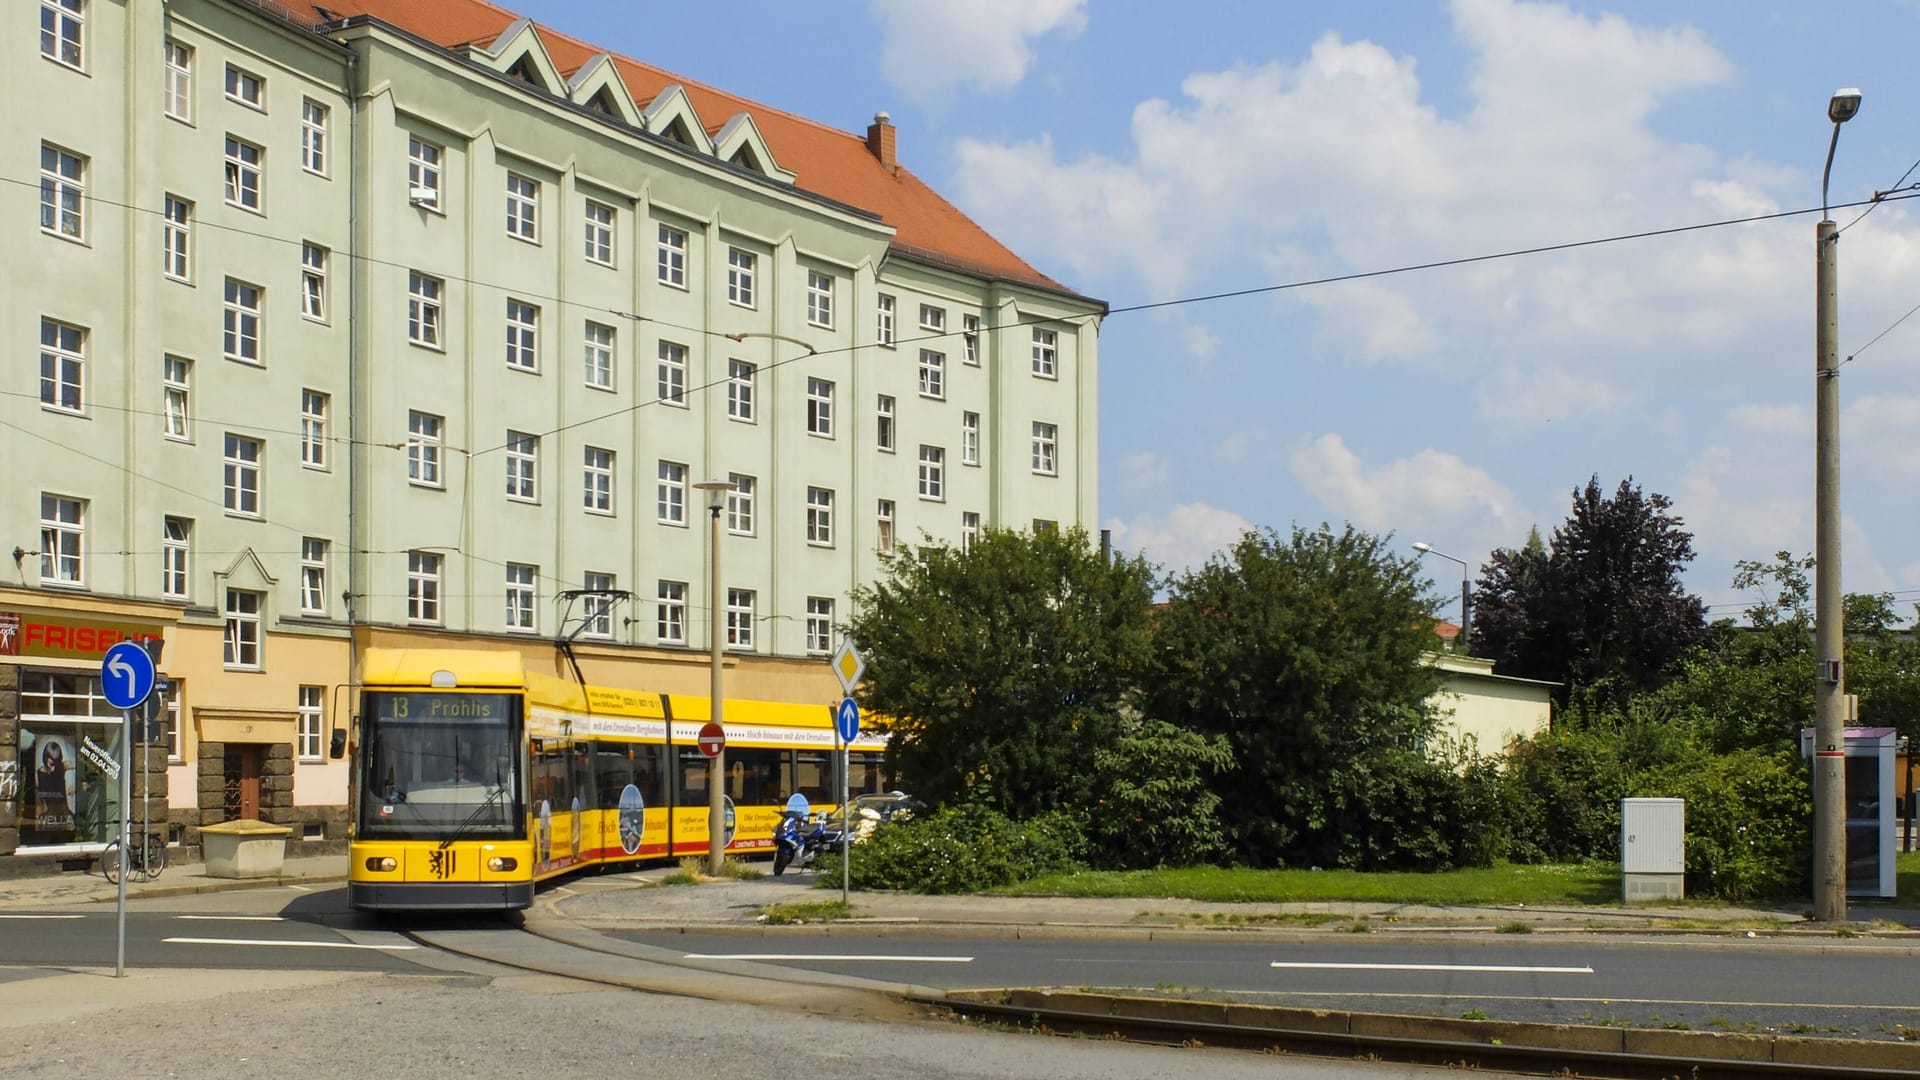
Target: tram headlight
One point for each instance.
(383, 864)
(501, 863)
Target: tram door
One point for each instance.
(241, 773)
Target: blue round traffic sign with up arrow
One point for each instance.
(126, 675)
(847, 719)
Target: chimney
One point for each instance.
(880, 140)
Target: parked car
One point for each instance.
(869, 813)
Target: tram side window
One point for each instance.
(550, 778)
(649, 774)
(864, 773)
(580, 776)
(694, 767)
(754, 777)
(813, 777)
(613, 770)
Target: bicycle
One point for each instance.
(144, 862)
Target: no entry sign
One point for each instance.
(713, 739)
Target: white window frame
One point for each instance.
(740, 504)
(313, 282)
(523, 208)
(176, 238)
(523, 336)
(883, 320)
(246, 187)
(933, 473)
(520, 598)
(1046, 448)
(740, 376)
(670, 613)
(933, 374)
(597, 612)
(310, 729)
(820, 299)
(176, 383)
(425, 162)
(970, 438)
(819, 625)
(970, 339)
(597, 479)
(176, 558)
(242, 461)
(741, 266)
(244, 648)
(670, 494)
(672, 381)
(426, 434)
(820, 516)
(883, 518)
(313, 575)
(313, 136)
(63, 541)
(598, 341)
(740, 603)
(424, 300)
(423, 587)
(245, 88)
(1046, 353)
(933, 318)
(63, 367)
(63, 193)
(242, 323)
(314, 406)
(523, 466)
(969, 530)
(177, 98)
(63, 32)
(598, 231)
(672, 269)
(883, 424)
(820, 407)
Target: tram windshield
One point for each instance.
(437, 765)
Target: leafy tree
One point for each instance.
(1005, 667)
(1306, 653)
(1605, 608)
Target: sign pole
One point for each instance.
(126, 678)
(126, 826)
(846, 812)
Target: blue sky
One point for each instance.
(1146, 152)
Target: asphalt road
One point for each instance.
(211, 939)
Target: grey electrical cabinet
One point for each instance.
(1653, 849)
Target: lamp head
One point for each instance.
(1844, 104)
(716, 491)
(1422, 547)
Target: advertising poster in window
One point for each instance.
(61, 799)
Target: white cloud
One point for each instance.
(1142, 473)
(1433, 492)
(1184, 538)
(1521, 397)
(933, 46)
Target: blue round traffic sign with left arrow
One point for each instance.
(126, 675)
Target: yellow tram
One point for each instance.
(473, 778)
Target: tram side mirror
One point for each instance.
(338, 748)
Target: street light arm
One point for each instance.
(1827, 171)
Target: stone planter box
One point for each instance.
(244, 849)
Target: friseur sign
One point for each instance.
(66, 638)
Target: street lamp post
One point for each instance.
(1829, 637)
(716, 642)
(1466, 595)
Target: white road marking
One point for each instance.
(234, 918)
(42, 916)
(1509, 969)
(289, 944)
(836, 957)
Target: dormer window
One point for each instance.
(677, 131)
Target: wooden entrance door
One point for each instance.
(241, 772)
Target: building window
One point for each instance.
(313, 282)
(243, 628)
(819, 299)
(520, 596)
(423, 309)
(423, 172)
(241, 339)
(179, 91)
(312, 712)
(933, 318)
(176, 541)
(883, 331)
(424, 440)
(740, 267)
(1045, 353)
(63, 192)
(1045, 525)
(819, 625)
(970, 438)
(63, 28)
(970, 339)
(523, 336)
(673, 374)
(820, 516)
(63, 535)
(740, 505)
(313, 136)
(670, 497)
(176, 384)
(933, 374)
(1045, 448)
(820, 408)
(883, 526)
(523, 462)
(598, 481)
(673, 257)
(883, 430)
(173, 720)
(63, 366)
(933, 473)
(597, 613)
(523, 208)
(246, 88)
(243, 174)
(969, 531)
(599, 233)
(313, 576)
(313, 428)
(241, 474)
(740, 619)
(598, 355)
(671, 626)
(740, 390)
(176, 238)
(423, 586)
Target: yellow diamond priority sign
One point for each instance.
(848, 665)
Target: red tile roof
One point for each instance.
(829, 162)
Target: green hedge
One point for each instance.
(959, 850)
